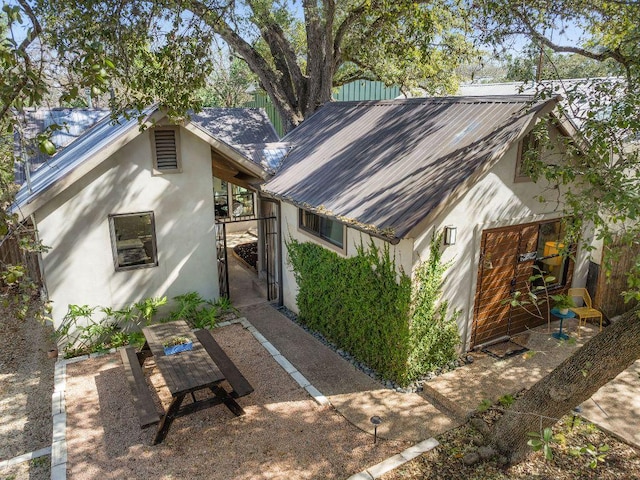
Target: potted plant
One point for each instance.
(562, 303)
(176, 345)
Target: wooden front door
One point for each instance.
(507, 258)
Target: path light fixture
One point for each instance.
(450, 234)
(376, 420)
(576, 412)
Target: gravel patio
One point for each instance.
(284, 434)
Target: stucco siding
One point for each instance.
(402, 252)
(79, 268)
(495, 200)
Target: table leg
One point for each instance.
(560, 330)
(144, 353)
(168, 418)
(559, 335)
(231, 404)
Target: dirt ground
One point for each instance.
(445, 462)
(26, 385)
(283, 435)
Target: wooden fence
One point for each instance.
(608, 296)
(12, 254)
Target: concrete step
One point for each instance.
(442, 403)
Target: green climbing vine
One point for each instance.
(434, 334)
(366, 306)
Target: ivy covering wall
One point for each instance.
(365, 306)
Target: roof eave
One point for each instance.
(227, 150)
(39, 199)
(372, 230)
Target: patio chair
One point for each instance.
(586, 310)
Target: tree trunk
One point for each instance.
(572, 382)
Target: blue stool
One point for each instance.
(556, 313)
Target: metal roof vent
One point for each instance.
(166, 150)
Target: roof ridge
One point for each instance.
(465, 99)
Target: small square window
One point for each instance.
(133, 240)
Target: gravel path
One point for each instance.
(284, 434)
(26, 385)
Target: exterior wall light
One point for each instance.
(450, 234)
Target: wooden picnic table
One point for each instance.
(186, 373)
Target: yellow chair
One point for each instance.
(586, 310)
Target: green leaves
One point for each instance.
(542, 441)
(595, 454)
(434, 333)
(82, 333)
(360, 303)
(364, 306)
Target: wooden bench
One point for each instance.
(142, 399)
(240, 385)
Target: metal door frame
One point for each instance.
(269, 238)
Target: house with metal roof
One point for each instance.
(129, 208)
(401, 171)
(69, 124)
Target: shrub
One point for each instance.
(365, 306)
(80, 333)
(434, 337)
(358, 303)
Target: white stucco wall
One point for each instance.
(79, 268)
(403, 252)
(492, 202)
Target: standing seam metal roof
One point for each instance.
(384, 166)
(232, 126)
(74, 121)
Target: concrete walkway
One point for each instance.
(448, 398)
(355, 395)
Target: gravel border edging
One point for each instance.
(280, 359)
(25, 457)
(394, 462)
(59, 414)
(415, 386)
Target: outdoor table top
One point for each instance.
(185, 371)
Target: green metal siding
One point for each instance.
(355, 91)
(366, 90)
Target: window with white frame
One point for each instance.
(322, 227)
(165, 143)
(133, 240)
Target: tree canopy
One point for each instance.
(298, 51)
(600, 180)
(229, 84)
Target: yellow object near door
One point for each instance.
(585, 311)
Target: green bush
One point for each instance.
(365, 306)
(198, 312)
(81, 333)
(434, 336)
